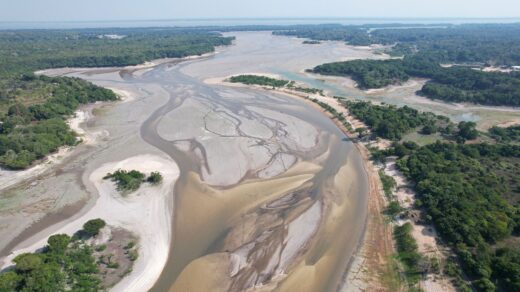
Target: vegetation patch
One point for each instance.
(258, 80)
(509, 134)
(391, 122)
(31, 130)
(367, 73)
(388, 183)
(92, 227)
(463, 194)
(407, 252)
(65, 264)
(130, 181)
(311, 42)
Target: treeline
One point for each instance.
(352, 34)
(455, 84)
(28, 133)
(258, 80)
(391, 122)
(462, 189)
(29, 50)
(367, 73)
(424, 49)
(485, 44)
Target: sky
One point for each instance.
(96, 10)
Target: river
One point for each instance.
(271, 193)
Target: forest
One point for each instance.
(471, 195)
(351, 34)
(33, 108)
(28, 50)
(491, 44)
(367, 73)
(391, 122)
(470, 192)
(31, 128)
(424, 49)
(455, 84)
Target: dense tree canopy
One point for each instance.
(26, 50)
(464, 194)
(64, 265)
(367, 73)
(28, 133)
(391, 122)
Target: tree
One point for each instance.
(27, 262)
(92, 227)
(429, 129)
(467, 131)
(361, 131)
(19, 110)
(155, 178)
(394, 208)
(9, 281)
(58, 243)
(485, 285)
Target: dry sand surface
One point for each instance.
(146, 212)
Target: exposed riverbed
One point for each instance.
(270, 192)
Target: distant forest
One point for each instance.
(455, 84)
(423, 50)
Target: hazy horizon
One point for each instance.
(195, 22)
(124, 10)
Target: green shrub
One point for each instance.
(126, 181)
(92, 227)
(155, 178)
